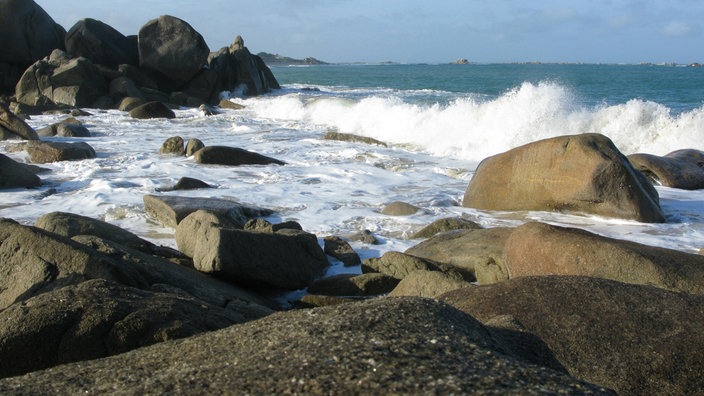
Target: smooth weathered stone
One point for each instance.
(13, 127)
(173, 145)
(232, 156)
(14, 174)
(391, 345)
(192, 146)
(430, 284)
(399, 208)
(171, 47)
(345, 285)
(100, 43)
(399, 265)
(170, 210)
(45, 152)
(69, 127)
(152, 109)
(348, 137)
(542, 249)
(679, 169)
(447, 224)
(577, 173)
(98, 318)
(340, 249)
(635, 339)
(197, 223)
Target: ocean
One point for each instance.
(439, 122)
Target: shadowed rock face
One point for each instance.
(637, 340)
(33, 33)
(391, 345)
(679, 169)
(582, 173)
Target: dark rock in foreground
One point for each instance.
(15, 174)
(232, 156)
(637, 340)
(13, 127)
(402, 346)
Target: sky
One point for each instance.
(429, 31)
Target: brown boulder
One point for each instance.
(637, 340)
(173, 145)
(398, 208)
(581, 173)
(232, 156)
(429, 284)
(152, 109)
(341, 250)
(679, 169)
(399, 265)
(444, 225)
(16, 174)
(170, 210)
(13, 127)
(542, 249)
(41, 152)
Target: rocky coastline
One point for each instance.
(88, 307)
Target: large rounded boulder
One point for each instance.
(100, 43)
(28, 32)
(679, 169)
(581, 173)
(171, 47)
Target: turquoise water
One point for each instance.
(676, 87)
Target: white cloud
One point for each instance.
(676, 29)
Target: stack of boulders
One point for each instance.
(94, 65)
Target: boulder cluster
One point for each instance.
(93, 65)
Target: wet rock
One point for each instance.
(189, 183)
(15, 174)
(398, 208)
(542, 249)
(444, 225)
(173, 145)
(232, 156)
(430, 284)
(578, 173)
(635, 339)
(477, 252)
(228, 104)
(364, 236)
(262, 225)
(679, 169)
(130, 103)
(152, 109)
(69, 127)
(193, 146)
(348, 137)
(170, 210)
(340, 249)
(399, 345)
(41, 152)
(13, 127)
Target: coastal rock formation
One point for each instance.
(29, 34)
(13, 127)
(171, 47)
(41, 152)
(69, 127)
(341, 250)
(173, 145)
(386, 349)
(152, 110)
(679, 169)
(14, 174)
(542, 249)
(170, 210)
(583, 173)
(232, 156)
(399, 266)
(101, 43)
(635, 339)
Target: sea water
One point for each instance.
(439, 122)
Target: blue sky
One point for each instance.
(439, 31)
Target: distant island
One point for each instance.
(278, 60)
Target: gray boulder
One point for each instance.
(577, 173)
(287, 259)
(173, 145)
(635, 339)
(399, 265)
(69, 127)
(13, 127)
(152, 109)
(16, 175)
(28, 32)
(197, 223)
(391, 345)
(398, 208)
(679, 169)
(100, 43)
(340, 249)
(41, 152)
(170, 210)
(444, 225)
(172, 48)
(478, 253)
(429, 284)
(232, 156)
(60, 81)
(98, 318)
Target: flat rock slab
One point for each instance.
(391, 346)
(170, 210)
